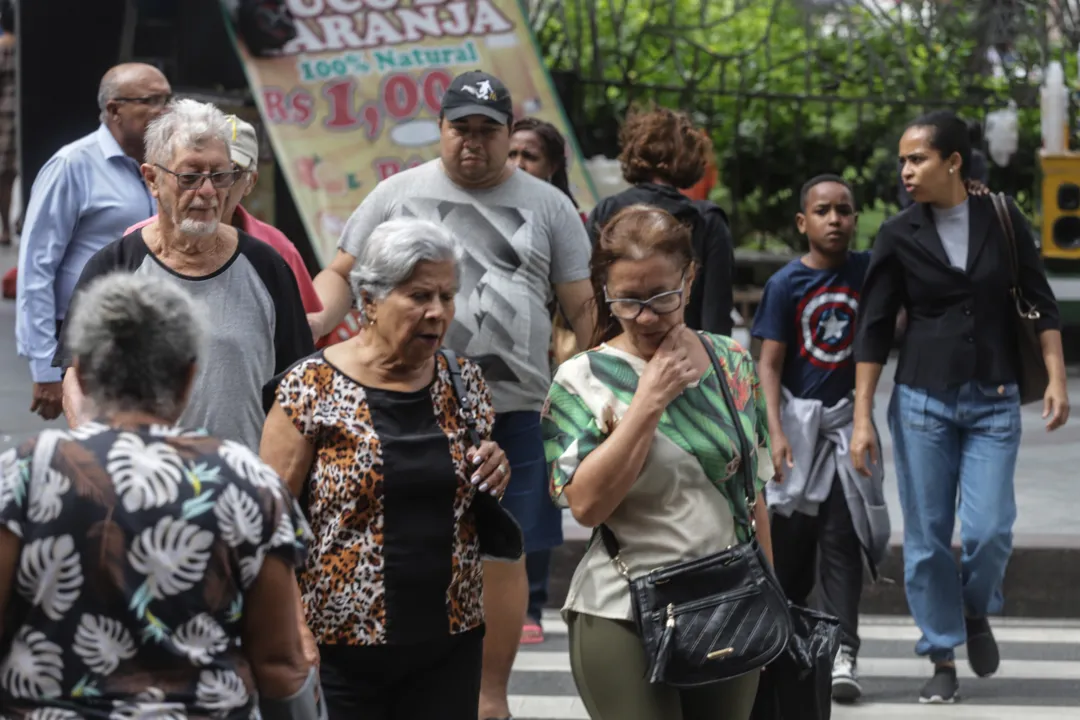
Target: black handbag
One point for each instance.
(798, 685)
(498, 532)
(715, 618)
(1032, 376)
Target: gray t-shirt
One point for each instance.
(952, 225)
(519, 239)
(256, 328)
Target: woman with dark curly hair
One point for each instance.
(663, 153)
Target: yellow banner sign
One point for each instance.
(355, 97)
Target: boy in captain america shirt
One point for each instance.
(806, 322)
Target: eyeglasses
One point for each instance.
(193, 181)
(629, 308)
(155, 101)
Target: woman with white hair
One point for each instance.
(374, 434)
(142, 565)
(255, 318)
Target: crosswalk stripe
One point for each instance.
(1035, 688)
(904, 629)
(537, 661)
(543, 707)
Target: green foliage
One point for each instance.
(787, 92)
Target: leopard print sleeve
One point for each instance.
(298, 395)
(479, 397)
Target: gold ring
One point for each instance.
(502, 469)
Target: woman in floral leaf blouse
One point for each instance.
(143, 566)
(640, 439)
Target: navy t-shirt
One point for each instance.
(813, 312)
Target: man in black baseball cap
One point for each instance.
(477, 93)
(474, 126)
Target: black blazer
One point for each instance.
(960, 322)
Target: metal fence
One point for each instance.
(791, 88)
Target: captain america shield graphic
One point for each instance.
(826, 319)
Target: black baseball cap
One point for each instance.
(477, 93)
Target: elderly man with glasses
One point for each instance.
(256, 319)
(244, 151)
(82, 200)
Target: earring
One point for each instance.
(952, 171)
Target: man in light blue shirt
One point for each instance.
(82, 200)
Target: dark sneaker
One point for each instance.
(942, 689)
(982, 648)
(845, 676)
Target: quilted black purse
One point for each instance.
(715, 618)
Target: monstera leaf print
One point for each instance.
(14, 477)
(102, 643)
(220, 690)
(239, 517)
(50, 575)
(200, 639)
(47, 496)
(51, 713)
(146, 475)
(139, 710)
(33, 667)
(172, 555)
(285, 533)
(248, 466)
(250, 567)
(86, 431)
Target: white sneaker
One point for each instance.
(845, 676)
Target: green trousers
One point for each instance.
(608, 663)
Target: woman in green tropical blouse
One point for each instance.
(639, 438)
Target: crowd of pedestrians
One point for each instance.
(236, 524)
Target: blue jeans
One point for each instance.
(964, 439)
(527, 496)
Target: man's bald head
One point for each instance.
(128, 80)
(130, 96)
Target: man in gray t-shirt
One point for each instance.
(523, 241)
(520, 238)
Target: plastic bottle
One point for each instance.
(1003, 134)
(1054, 110)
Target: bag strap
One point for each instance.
(1001, 207)
(457, 382)
(746, 465)
(1024, 308)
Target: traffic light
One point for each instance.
(1061, 206)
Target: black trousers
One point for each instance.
(438, 679)
(822, 551)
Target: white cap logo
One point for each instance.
(482, 91)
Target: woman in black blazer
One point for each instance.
(955, 410)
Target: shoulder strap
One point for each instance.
(1001, 207)
(457, 382)
(746, 449)
(746, 462)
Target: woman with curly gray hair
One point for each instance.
(142, 565)
(374, 434)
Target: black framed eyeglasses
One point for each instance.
(155, 101)
(193, 180)
(630, 308)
